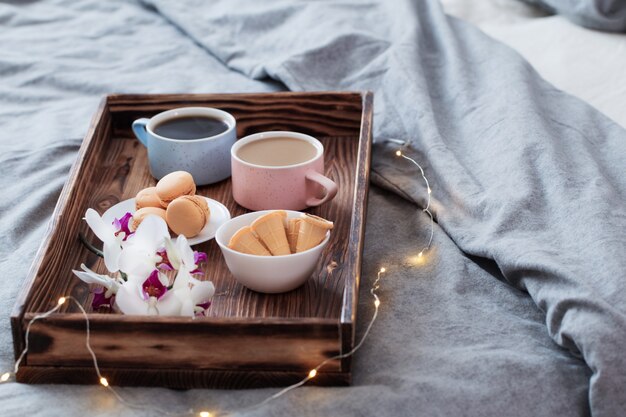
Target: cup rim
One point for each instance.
(271, 134)
(256, 214)
(226, 117)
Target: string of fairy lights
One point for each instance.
(204, 413)
(426, 209)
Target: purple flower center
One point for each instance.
(100, 299)
(152, 287)
(121, 225)
(165, 261)
(205, 306)
(199, 257)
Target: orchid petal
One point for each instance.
(129, 300)
(90, 277)
(203, 306)
(103, 231)
(172, 253)
(183, 278)
(122, 225)
(151, 232)
(202, 309)
(165, 281)
(112, 251)
(202, 291)
(100, 299)
(187, 309)
(169, 305)
(165, 267)
(136, 260)
(187, 305)
(185, 252)
(137, 279)
(199, 257)
(128, 240)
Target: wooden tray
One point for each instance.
(250, 339)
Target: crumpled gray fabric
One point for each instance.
(606, 15)
(523, 174)
(526, 185)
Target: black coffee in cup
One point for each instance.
(190, 127)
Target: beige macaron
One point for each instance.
(174, 185)
(148, 198)
(146, 211)
(187, 215)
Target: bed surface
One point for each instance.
(497, 320)
(588, 64)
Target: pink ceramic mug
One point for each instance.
(280, 170)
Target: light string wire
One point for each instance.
(400, 153)
(105, 383)
(101, 379)
(312, 373)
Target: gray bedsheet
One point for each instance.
(519, 309)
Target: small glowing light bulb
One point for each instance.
(383, 269)
(419, 255)
(5, 377)
(104, 382)
(61, 300)
(376, 303)
(205, 414)
(398, 152)
(429, 190)
(312, 373)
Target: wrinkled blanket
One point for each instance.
(519, 308)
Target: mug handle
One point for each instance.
(329, 185)
(139, 128)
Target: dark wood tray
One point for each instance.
(250, 339)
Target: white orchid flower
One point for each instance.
(194, 295)
(111, 286)
(178, 254)
(139, 256)
(188, 297)
(191, 291)
(149, 297)
(145, 253)
(110, 237)
(195, 298)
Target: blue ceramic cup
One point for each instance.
(206, 159)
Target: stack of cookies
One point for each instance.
(273, 234)
(173, 199)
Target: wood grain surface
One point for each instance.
(175, 378)
(245, 330)
(120, 341)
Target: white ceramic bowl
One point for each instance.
(267, 274)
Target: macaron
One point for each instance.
(174, 185)
(187, 215)
(148, 198)
(146, 211)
